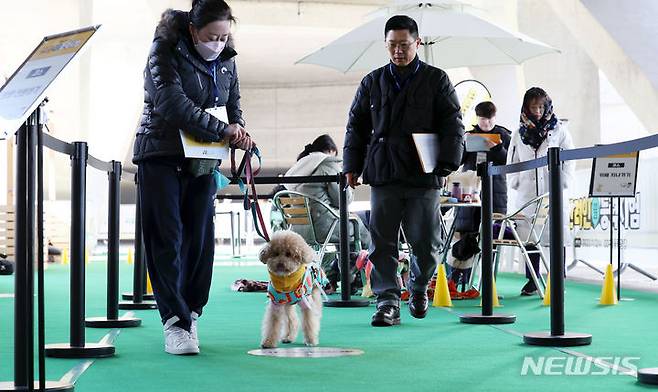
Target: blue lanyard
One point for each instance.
(395, 77)
(212, 68)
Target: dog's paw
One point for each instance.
(311, 343)
(267, 344)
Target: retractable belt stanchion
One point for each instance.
(557, 337)
(487, 316)
(114, 202)
(24, 273)
(345, 271)
(77, 348)
(139, 272)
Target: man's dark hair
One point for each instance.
(485, 109)
(401, 22)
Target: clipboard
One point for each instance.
(427, 146)
(477, 142)
(193, 148)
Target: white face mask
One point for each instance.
(210, 50)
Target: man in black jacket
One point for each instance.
(406, 96)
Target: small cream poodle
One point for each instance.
(294, 278)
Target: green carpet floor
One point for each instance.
(434, 354)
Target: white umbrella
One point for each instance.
(449, 39)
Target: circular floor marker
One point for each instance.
(306, 352)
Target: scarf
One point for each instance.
(289, 282)
(534, 132)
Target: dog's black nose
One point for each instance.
(279, 266)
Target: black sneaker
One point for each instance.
(386, 316)
(529, 289)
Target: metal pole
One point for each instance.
(78, 192)
(487, 251)
(113, 221)
(114, 205)
(138, 295)
(138, 276)
(23, 357)
(619, 248)
(487, 316)
(611, 229)
(40, 256)
(557, 242)
(77, 348)
(345, 289)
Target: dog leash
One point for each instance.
(250, 202)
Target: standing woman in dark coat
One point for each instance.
(191, 69)
(468, 219)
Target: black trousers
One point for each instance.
(417, 210)
(178, 225)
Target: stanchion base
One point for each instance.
(90, 350)
(350, 303)
(51, 386)
(104, 322)
(130, 296)
(137, 305)
(476, 318)
(569, 339)
(648, 376)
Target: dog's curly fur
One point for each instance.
(283, 255)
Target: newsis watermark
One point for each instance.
(579, 366)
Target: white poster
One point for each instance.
(614, 176)
(26, 87)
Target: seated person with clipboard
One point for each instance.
(486, 142)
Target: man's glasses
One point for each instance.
(404, 46)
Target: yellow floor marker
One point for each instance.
(65, 256)
(149, 287)
(547, 293)
(441, 292)
(608, 292)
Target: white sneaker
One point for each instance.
(193, 330)
(178, 340)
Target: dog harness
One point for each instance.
(313, 275)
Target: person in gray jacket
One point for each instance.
(320, 159)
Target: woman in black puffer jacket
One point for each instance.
(190, 70)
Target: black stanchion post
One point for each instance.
(77, 347)
(114, 202)
(24, 273)
(557, 336)
(487, 316)
(139, 268)
(345, 271)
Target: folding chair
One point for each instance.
(295, 208)
(537, 222)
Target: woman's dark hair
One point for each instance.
(208, 11)
(401, 22)
(532, 94)
(323, 143)
(485, 109)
